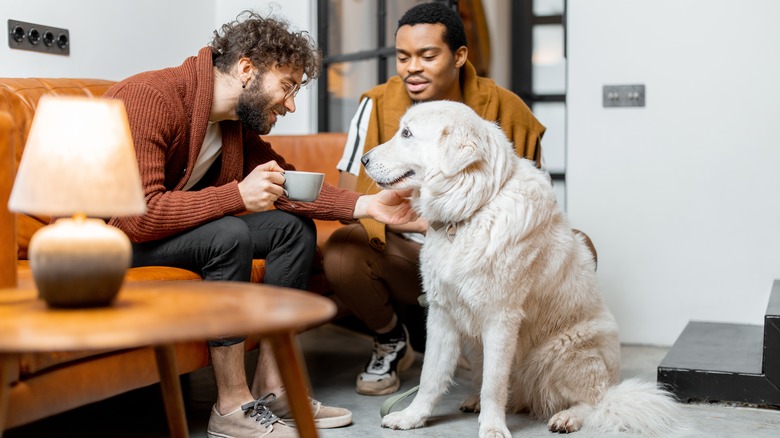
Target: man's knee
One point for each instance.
(348, 241)
(303, 229)
(232, 236)
(344, 253)
(274, 229)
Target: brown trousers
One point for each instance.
(371, 283)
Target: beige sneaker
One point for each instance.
(251, 420)
(381, 374)
(325, 417)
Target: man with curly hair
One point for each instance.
(196, 129)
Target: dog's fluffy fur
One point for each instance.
(504, 273)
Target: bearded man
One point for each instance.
(211, 184)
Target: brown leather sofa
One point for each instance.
(50, 383)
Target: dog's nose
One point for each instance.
(364, 159)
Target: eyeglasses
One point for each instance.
(290, 90)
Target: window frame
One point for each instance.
(522, 55)
(382, 54)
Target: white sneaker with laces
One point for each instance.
(387, 360)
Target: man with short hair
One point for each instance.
(373, 270)
(196, 129)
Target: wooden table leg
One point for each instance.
(6, 367)
(171, 391)
(296, 382)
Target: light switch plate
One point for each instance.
(624, 95)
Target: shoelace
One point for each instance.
(260, 412)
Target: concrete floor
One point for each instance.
(334, 356)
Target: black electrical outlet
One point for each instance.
(38, 38)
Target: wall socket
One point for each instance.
(624, 95)
(38, 38)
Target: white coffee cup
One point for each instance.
(302, 186)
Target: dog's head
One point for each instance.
(448, 153)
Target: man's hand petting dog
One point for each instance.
(388, 206)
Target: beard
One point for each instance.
(254, 109)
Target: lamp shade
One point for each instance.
(79, 158)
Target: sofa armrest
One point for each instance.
(7, 219)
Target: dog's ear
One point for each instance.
(458, 147)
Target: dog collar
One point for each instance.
(450, 229)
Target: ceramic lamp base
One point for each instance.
(79, 262)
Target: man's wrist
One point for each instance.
(361, 207)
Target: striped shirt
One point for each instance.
(356, 138)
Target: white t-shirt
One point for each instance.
(212, 147)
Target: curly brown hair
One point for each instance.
(265, 41)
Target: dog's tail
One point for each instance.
(639, 407)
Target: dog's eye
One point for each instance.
(406, 133)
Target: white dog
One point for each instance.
(503, 272)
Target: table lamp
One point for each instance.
(79, 161)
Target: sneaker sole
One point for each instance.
(378, 391)
(404, 364)
(325, 423)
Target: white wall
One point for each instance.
(115, 39)
(109, 40)
(680, 197)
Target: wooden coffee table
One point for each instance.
(160, 314)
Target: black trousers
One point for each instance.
(222, 250)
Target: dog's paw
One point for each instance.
(470, 404)
(494, 432)
(403, 420)
(565, 421)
